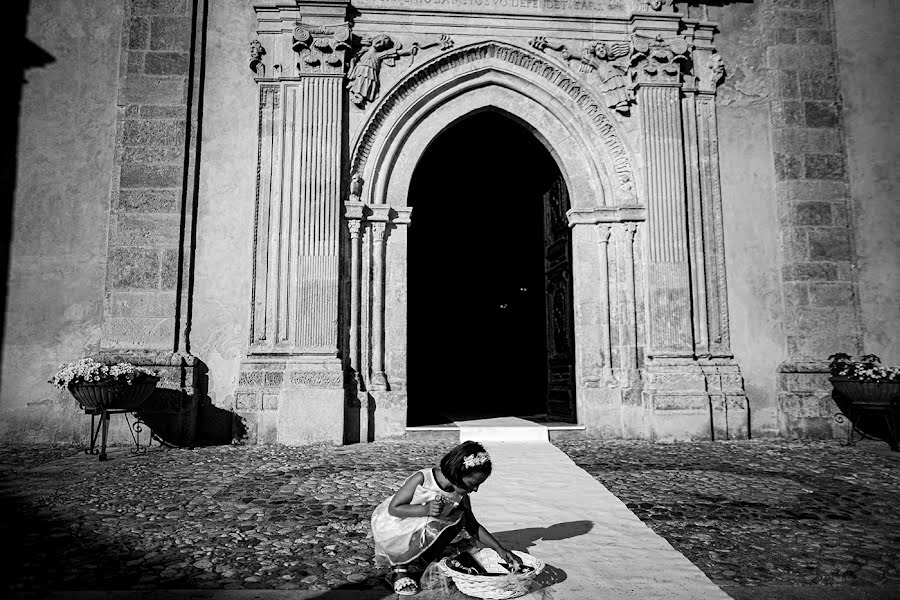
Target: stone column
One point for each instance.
(291, 383)
(354, 215)
(603, 231)
(658, 84)
(379, 218)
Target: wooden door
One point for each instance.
(560, 392)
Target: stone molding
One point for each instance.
(558, 77)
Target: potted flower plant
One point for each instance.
(865, 386)
(99, 386)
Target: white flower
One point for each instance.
(473, 460)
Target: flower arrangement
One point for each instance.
(867, 368)
(87, 370)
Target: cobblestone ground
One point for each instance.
(762, 512)
(224, 517)
(752, 513)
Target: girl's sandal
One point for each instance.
(403, 584)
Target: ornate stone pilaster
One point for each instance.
(293, 366)
(657, 75)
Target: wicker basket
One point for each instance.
(493, 586)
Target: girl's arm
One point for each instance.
(477, 531)
(400, 504)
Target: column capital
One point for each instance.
(354, 211)
(657, 61)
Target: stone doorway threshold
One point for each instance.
(532, 428)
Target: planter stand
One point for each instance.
(101, 430)
(857, 410)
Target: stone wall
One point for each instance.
(65, 157)
(148, 187)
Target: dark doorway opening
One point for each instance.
(477, 309)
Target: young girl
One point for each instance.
(428, 511)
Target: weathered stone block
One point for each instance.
(139, 304)
(150, 176)
(821, 114)
(811, 213)
(797, 19)
(812, 190)
(819, 85)
(157, 7)
(830, 244)
(804, 382)
(132, 268)
(170, 34)
(788, 166)
(246, 401)
(794, 244)
(154, 155)
(135, 62)
(166, 63)
(809, 272)
(146, 333)
(168, 271)
(821, 37)
(135, 229)
(270, 402)
(163, 112)
(825, 166)
(787, 113)
(787, 84)
(140, 132)
(138, 33)
(832, 294)
(148, 201)
(798, 140)
(796, 294)
(155, 89)
(785, 35)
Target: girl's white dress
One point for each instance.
(399, 540)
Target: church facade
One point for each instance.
(310, 210)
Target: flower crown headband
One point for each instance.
(473, 460)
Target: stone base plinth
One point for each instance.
(290, 400)
(805, 406)
(390, 412)
(687, 399)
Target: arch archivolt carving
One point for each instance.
(548, 99)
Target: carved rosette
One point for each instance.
(322, 49)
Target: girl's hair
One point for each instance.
(453, 465)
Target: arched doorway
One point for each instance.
(490, 324)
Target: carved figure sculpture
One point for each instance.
(613, 72)
(356, 185)
(365, 68)
(256, 53)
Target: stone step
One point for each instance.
(498, 429)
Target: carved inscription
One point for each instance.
(519, 6)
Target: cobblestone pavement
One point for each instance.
(750, 513)
(762, 512)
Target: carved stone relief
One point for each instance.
(321, 49)
(365, 67)
(658, 60)
(609, 61)
(256, 53)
